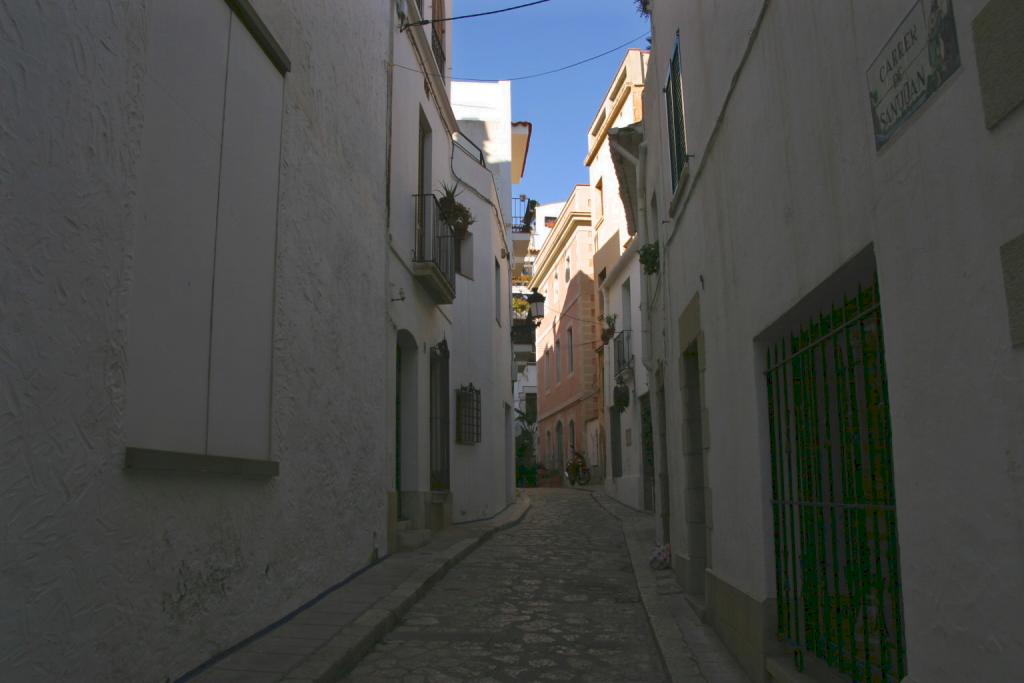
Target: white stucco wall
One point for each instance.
(484, 112)
(540, 232)
(792, 189)
(481, 343)
(113, 576)
(412, 309)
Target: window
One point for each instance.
(531, 407)
(627, 306)
(423, 187)
(201, 308)
(598, 200)
(674, 107)
(828, 414)
(572, 437)
(569, 349)
(437, 32)
(558, 360)
(567, 262)
(497, 291)
(467, 415)
(464, 255)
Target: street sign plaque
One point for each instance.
(919, 57)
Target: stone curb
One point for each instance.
(675, 653)
(344, 651)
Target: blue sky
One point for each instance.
(560, 106)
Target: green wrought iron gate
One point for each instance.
(833, 501)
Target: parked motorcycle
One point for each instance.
(577, 471)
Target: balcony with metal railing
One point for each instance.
(623, 353)
(434, 250)
(523, 215)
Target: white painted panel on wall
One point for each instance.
(169, 318)
(240, 349)
(186, 56)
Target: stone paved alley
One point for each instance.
(552, 599)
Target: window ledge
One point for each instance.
(245, 12)
(147, 459)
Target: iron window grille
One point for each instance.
(467, 414)
(833, 498)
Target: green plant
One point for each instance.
(521, 307)
(608, 331)
(620, 397)
(649, 257)
(452, 211)
(643, 7)
(526, 464)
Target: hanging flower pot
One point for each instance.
(608, 332)
(649, 258)
(620, 397)
(453, 212)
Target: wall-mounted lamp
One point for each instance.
(536, 301)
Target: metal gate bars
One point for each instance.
(833, 503)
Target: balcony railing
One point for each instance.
(623, 352)
(523, 331)
(434, 251)
(522, 215)
(437, 43)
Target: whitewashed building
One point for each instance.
(450, 304)
(836, 330)
(483, 465)
(194, 434)
(221, 297)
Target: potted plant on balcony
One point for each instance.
(452, 211)
(608, 331)
(620, 397)
(649, 258)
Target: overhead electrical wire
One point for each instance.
(542, 73)
(424, 22)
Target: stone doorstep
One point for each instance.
(344, 650)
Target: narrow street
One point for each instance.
(310, 312)
(552, 599)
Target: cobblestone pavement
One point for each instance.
(553, 599)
